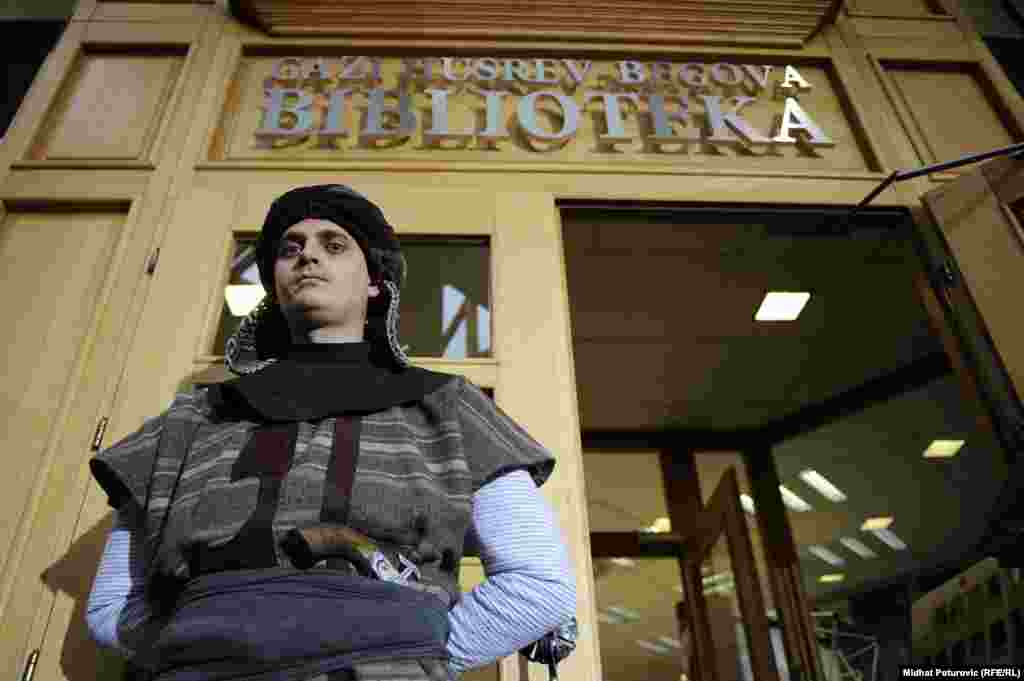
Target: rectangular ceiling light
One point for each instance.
(826, 555)
(624, 613)
(717, 578)
(654, 648)
(943, 449)
(889, 538)
(858, 547)
(822, 486)
(831, 578)
(793, 501)
(877, 523)
(747, 503)
(781, 306)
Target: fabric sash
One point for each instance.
(282, 624)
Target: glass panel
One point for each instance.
(636, 608)
(728, 631)
(446, 302)
(999, 640)
(625, 491)
(445, 308)
(711, 466)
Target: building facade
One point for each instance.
(584, 192)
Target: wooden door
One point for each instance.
(724, 608)
(971, 231)
(70, 271)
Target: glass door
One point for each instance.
(724, 607)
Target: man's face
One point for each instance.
(321, 278)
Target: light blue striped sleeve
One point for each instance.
(530, 588)
(117, 611)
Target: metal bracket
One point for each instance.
(101, 429)
(151, 265)
(1014, 151)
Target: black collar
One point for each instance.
(330, 353)
(317, 380)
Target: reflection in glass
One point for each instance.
(711, 466)
(445, 304)
(729, 633)
(625, 491)
(639, 631)
(725, 624)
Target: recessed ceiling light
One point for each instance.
(654, 648)
(889, 538)
(793, 501)
(826, 555)
(823, 486)
(670, 642)
(781, 306)
(624, 613)
(243, 298)
(857, 547)
(877, 523)
(831, 578)
(725, 588)
(747, 503)
(943, 449)
(717, 578)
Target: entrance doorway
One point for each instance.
(684, 394)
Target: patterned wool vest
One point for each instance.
(211, 502)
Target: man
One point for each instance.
(306, 521)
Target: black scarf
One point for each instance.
(318, 380)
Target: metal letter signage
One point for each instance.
(538, 104)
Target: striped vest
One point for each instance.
(418, 465)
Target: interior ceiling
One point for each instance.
(662, 311)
